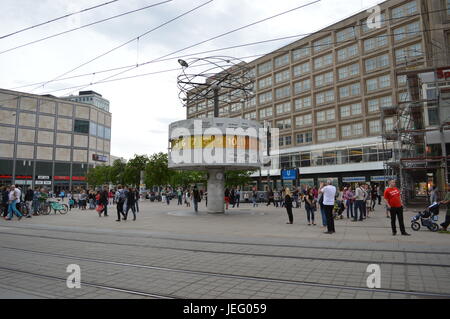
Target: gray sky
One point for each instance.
(143, 107)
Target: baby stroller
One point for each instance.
(427, 218)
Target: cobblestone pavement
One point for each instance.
(171, 252)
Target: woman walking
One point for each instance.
(288, 205)
(349, 198)
(310, 206)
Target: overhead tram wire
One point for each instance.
(127, 42)
(81, 27)
(215, 37)
(106, 80)
(56, 19)
(270, 40)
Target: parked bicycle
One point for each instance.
(56, 206)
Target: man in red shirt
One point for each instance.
(392, 197)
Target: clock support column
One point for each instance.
(216, 190)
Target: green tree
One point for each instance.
(237, 178)
(117, 172)
(157, 172)
(132, 171)
(99, 175)
(185, 178)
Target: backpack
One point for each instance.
(122, 195)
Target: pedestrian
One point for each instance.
(232, 197)
(328, 195)
(120, 198)
(255, 197)
(270, 197)
(392, 197)
(237, 197)
(373, 198)
(196, 198)
(104, 199)
(180, 196)
(62, 195)
(36, 203)
(13, 199)
(138, 197)
(322, 209)
(29, 201)
(4, 200)
(379, 194)
(227, 198)
(348, 197)
(131, 199)
(288, 205)
(310, 206)
(188, 198)
(360, 197)
(446, 201)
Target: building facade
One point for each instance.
(48, 141)
(325, 91)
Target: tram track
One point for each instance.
(231, 242)
(345, 260)
(205, 274)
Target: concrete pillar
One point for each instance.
(216, 189)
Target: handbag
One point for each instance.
(99, 208)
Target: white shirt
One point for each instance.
(14, 195)
(329, 192)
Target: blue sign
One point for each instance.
(289, 174)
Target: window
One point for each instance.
(236, 107)
(380, 82)
(302, 86)
(101, 131)
(283, 92)
(282, 76)
(250, 116)
(389, 124)
(81, 126)
(107, 133)
(407, 31)
(264, 113)
(376, 42)
(303, 138)
(283, 124)
(326, 134)
(250, 103)
(302, 103)
(300, 53)
(324, 79)
(351, 110)
(265, 97)
(374, 105)
(281, 60)
(403, 97)
(325, 97)
(283, 108)
(405, 10)
(348, 71)
(192, 109)
(347, 53)
(325, 116)
(322, 44)
(375, 63)
(265, 68)
(285, 140)
(349, 90)
(405, 55)
(303, 120)
(346, 34)
(374, 127)
(401, 80)
(301, 69)
(352, 130)
(323, 61)
(93, 128)
(223, 110)
(265, 82)
(366, 28)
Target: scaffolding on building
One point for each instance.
(405, 127)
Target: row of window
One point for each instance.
(94, 129)
(353, 130)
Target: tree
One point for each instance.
(185, 178)
(117, 171)
(99, 175)
(132, 171)
(157, 172)
(237, 178)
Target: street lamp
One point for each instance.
(183, 63)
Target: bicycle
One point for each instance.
(56, 206)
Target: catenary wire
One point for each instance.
(127, 42)
(56, 19)
(237, 46)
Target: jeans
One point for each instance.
(329, 215)
(310, 213)
(36, 205)
(397, 212)
(359, 205)
(120, 209)
(195, 205)
(289, 212)
(237, 199)
(133, 210)
(324, 216)
(13, 208)
(254, 202)
(180, 200)
(349, 208)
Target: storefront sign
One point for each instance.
(382, 178)
(62, 178)
(43, 177)
(39, 182)
(355, 179)
(47, 183)
(289, 174)
(78, 178)
(99, 158)
(24, 177)
(5, 176)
